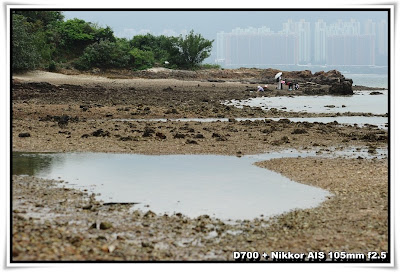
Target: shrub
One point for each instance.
(210, 66)
(52, 66)
(141, 59)
(105, 54)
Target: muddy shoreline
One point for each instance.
(62, 113)
(53, 223)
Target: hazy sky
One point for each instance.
(208, 23)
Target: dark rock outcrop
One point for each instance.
(344, 87)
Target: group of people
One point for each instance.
(291, 84)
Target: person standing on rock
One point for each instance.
(283, 83)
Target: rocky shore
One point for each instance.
(78, 113)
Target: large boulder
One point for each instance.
(343, 87)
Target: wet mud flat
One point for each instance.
(72, 113)
(228, 138)
(64, 115)
(55, 223)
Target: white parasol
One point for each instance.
(278, 75)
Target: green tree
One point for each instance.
(103, 34)
(160, 46)
(25, 55)
(75, 35)
(41, 17)
(141, 59)
(193, 49)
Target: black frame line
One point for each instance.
(388, 260)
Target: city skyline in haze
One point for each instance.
(369, 35)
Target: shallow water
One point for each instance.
(378, 121)
(226, 187)
(369, 80)
(360, 102)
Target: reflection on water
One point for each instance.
(30, 163)
(223, 186)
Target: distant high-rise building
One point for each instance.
(369, 27)
(320, 42)
(346, 45)
(220, 47)
(339, 43)
(256, 47)
(350, 50)
(382, 38)
(302, 30)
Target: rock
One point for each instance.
(149, 214)
(329, 106)
(87, 207)
(85, 136)
(24, 135)
(62, 120)
(148, 132)
(375, 93)
(191, 141)
(179, 136)
(161, 135)
(215, 135)
(100, 133)
(101, 237)
(344, 87)
(168, 89)
(299, 131)
(284, 121)
(146, 244)
(199, 136)
(105, 225)
(215, 80)
(174, 111)
(128, 138)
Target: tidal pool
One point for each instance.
(225, 187)
(360, 102)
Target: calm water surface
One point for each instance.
(360, 102)
(226, 187)
(369, 80)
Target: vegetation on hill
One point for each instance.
(43, 39)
